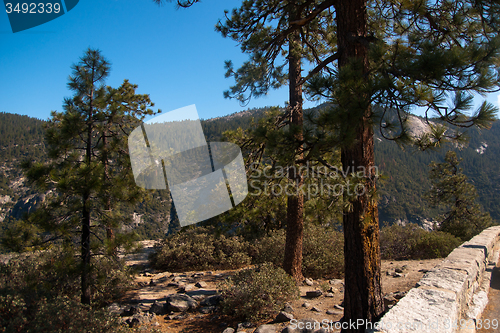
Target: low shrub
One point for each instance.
(199, 248)
(435, 244)
(111, 278)
(270, 248)
(60, 314)
(412, 242)
(253, 294)
(40, 292)
(322, 251)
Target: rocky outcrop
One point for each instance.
(26, 205)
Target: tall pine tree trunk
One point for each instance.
(110, 236)
(85, 278)
(85, 243)
(363, 293)
(295, 203)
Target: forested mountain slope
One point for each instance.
(22, 137)
(405, 173)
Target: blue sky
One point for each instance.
(174, 55)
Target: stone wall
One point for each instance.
(452, 295)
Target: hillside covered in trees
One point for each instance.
(400, 191)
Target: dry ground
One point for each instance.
(154, 285)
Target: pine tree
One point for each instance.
(265, 207)
(89, 171)
(464, 217)
(272, 49)
(267, 31)
(311, 34)
(397, 54)
(394, 54)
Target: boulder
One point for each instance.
(201, 284)
(130, 312)
(333, 312)
(243, 325)
(288, 308)
(309, 282)
(337, 282)
(207, 309)
(157, 309)
(212, 300)
(187, 288)
(141, 319)
(389, 301)
(202, 292)
(180, 303)
(115, 308)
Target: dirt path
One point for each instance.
(140, 259)
(397, 278)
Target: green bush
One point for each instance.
(199, 248)
(40, 292)
(412, 242)
(253, 294)
(270, 248)
(111, 278)
(322, 251)
(60, 314)
(435, 244)
(56, 272)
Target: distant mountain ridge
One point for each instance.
(405, 173)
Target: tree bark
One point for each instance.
(295, 201)
(363, 293)
(85, 242)
(85, 278)
(110, 235)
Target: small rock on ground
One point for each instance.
(309, 282)
(314, 293)
(283, 317)
(266, 329)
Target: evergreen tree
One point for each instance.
(89, 170)
(265, 208)
(464, 217)
(397, 54)
(279, 35)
